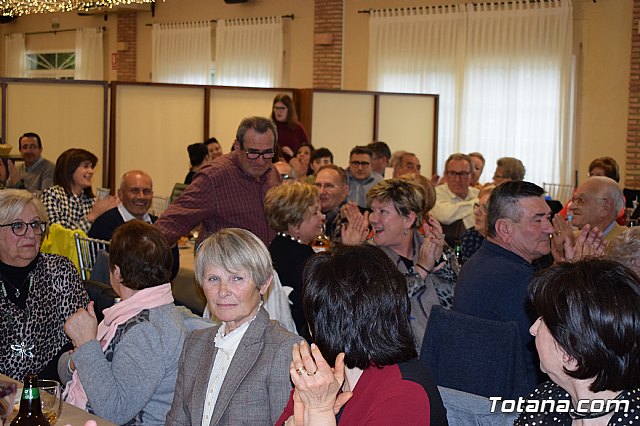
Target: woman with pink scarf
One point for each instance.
(125, 368)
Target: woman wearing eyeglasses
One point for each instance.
(473, 237)
(291, 134)
(38, 292)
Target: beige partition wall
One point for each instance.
(64, 115)
(342, 120)
(154, 125)
(229, 106)
(407, 123)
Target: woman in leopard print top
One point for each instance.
(38, 292)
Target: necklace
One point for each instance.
(16, 289)
(578, 415)
(22, 349)
(285, 235)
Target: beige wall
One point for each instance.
(602, 36)
(603, 31)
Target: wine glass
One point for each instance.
(51, 399)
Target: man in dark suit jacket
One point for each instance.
(136, 195)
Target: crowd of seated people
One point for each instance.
(457, 243)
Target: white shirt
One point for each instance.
(449, 207)
(126, 216)
(227, 346)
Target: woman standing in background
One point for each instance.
(291, 134)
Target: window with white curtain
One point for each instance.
(249, 52)
(181, 53)
(503, 73)
(89, 62)
(15, 55)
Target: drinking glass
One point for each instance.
(50, 398)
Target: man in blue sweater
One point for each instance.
(493, 283)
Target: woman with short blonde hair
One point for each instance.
(294, 211)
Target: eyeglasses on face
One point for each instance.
(360, 163)
(481, 207)
(254, 155)
(581, 200)
(20, 228)
(461, 175)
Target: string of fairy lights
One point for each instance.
(26, 7)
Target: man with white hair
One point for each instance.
(597, 203)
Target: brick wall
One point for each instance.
(327, 46)
(633, 123)
(127, 33)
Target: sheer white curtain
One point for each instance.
(511, 82)
(420, 50)
(89, 54)
(249, 52)
(181, 53)
(15, 55)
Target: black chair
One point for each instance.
(474, 355)
(103, 296)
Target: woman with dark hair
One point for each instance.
(125, 368)
(605, 166)
(38, 291)
(291, 134)
(587, 336)
(70, 201)
(355, 300)
(198, 157)
(301, 163)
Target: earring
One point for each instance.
(405, 232)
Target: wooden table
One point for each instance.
(70, 415)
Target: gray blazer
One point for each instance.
(256, 388)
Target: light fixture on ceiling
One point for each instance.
(26, 7)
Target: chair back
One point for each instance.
(453, 232)
(158, 205)
(474, 355)
(87, 249)
(177, 191)
(558, 191)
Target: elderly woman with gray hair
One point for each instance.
(237, 373)
(38, 292)
(625, 248)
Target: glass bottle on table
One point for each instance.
(30, 413)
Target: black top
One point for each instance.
(104, 226)
(289, 258)
(551, 391)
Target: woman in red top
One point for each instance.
(291, 134)
(362, 368)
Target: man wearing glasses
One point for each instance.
(455, 199)
(229, 192)
(360, 175)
